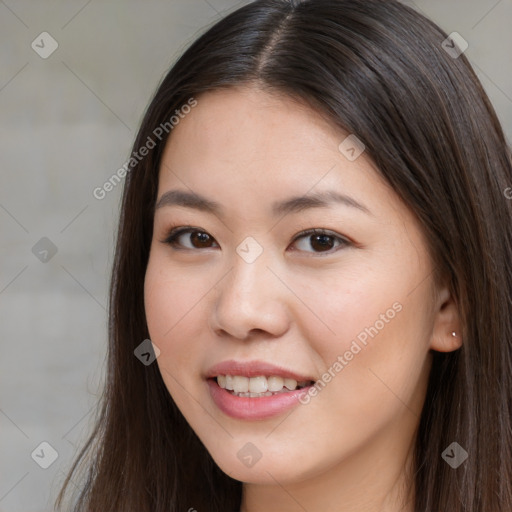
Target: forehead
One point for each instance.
(244, 135)
(245, 122)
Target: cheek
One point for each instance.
(173, 310)
(371, 332)
(347, 306)
(168, 298)
(173, 313)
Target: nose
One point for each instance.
(250, 299)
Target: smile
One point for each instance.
(255, 390)
(256, 387)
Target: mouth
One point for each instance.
(255, 390)
(259, 386)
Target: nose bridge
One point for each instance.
(250, 297)
(249, 271)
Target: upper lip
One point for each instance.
(254, 369)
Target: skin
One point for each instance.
(296, 305)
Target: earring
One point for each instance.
(454, 334)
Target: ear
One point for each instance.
(446, 332)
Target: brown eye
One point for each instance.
(320, 241)
(196, 239)
(200, 239)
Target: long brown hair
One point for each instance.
(379, 70)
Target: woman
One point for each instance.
(317, 242)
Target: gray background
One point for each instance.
(66, 125)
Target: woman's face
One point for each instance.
(246, 300)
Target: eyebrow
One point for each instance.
(291, 205)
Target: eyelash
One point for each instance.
(175, 232)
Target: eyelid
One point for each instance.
(322, 231)
(174, 232)
(343, 241)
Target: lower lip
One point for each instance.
(256, 408)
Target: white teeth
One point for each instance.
(258, 386)
(240, 384)
(275, 383)
(290, 383)
(229, 382)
